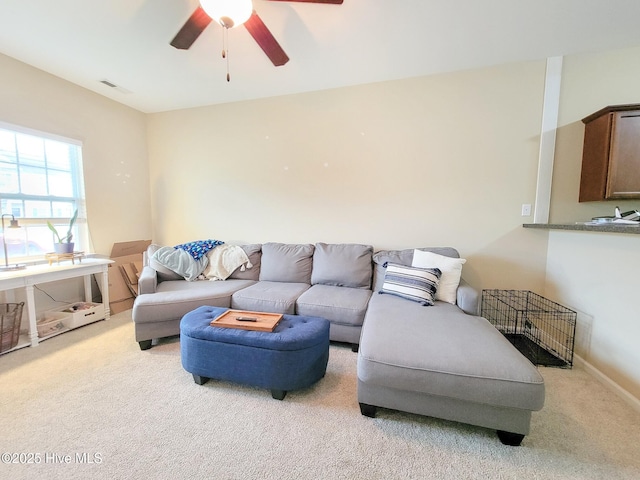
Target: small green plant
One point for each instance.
(69, 236)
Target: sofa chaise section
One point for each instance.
(440, 361)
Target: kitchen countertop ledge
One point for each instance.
(581, 227)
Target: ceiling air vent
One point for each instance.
(114, 86)
(108, 83)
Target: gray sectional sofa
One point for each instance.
(441, 360)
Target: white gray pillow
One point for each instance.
(451, 269)
(286, 262)
(343, 265)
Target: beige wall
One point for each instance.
(116, 171)
(595, 273)
(439, 160)
(114, 146)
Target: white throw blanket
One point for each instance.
(223, 261)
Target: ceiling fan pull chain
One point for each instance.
(224, 52)
(225, 48)
(224, 42)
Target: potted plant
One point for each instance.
(64, 244)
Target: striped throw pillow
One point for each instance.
(412, 283)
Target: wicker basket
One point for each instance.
(10, 319)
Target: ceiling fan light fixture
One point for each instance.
(228, 13)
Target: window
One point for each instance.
(40, 180)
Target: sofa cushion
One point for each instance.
(286, 262)
(444, 352)
(451, 269)
(254, 252)
(402, 257)
(412, 283)
(343, 265)
(341, 305)
(274, 297)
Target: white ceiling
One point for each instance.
(127, 43)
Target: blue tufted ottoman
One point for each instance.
(292, 357)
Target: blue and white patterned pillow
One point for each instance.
(412, 283)
(199, 248)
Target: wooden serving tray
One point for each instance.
(264, 322)
(58, 257)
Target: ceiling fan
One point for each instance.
(204, 14)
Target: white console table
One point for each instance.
(43, 273)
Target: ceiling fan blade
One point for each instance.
(266, 40)
(191, 30)
(335, 2)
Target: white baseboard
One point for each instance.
(607, 382)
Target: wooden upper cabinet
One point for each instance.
(611, 154)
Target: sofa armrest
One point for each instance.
(148, 281)
(468, 298)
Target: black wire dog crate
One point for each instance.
(542, 330)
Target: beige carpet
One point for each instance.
(116, 412)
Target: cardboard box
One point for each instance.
(123, 273)
(121, 305)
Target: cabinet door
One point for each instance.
(623, 180)
(595, 159)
